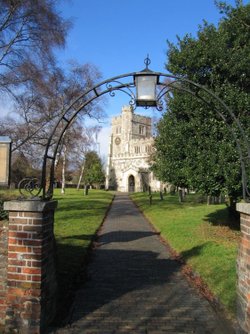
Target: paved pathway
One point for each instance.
(134, 286)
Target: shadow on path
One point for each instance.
(124, 236)
(133, 286)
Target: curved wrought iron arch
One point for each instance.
(110, 86)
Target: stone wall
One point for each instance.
(243, 270)
(3, 270)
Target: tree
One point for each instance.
(29, 32)
(84, 147)
(93, 169)
(77, 140)
(21, 168)
(40, 91)
(194, 146)
(40, 108)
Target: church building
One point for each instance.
(130, 147)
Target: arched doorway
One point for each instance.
(131, 183)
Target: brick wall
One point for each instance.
(31, 281)
(3, 270)
(243, 269)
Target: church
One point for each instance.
(130, 147)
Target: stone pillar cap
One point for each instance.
(30, 205)
(243, 208)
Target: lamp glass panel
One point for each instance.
(145, 86)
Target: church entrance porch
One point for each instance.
(131, 184)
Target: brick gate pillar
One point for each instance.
(243, 269)
(31, 276)
(3, 271)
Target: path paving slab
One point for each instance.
(134, 286)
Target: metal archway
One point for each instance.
(126, 84)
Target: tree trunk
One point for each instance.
(181, 197)
(161, 195)
(232, 206)
(86, 189)
(63, 170)
(80, 177)
(209, 200)
(221, 199)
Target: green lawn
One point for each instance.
(198, 232)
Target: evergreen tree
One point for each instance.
(93, 170)
(195, 148)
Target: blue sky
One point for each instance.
(116, 36)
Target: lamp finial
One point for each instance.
(147, 61)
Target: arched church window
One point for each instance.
(137, 149)
(118, 130)
(142, 130)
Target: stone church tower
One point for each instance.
(129, 150)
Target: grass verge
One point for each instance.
(199, 233)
